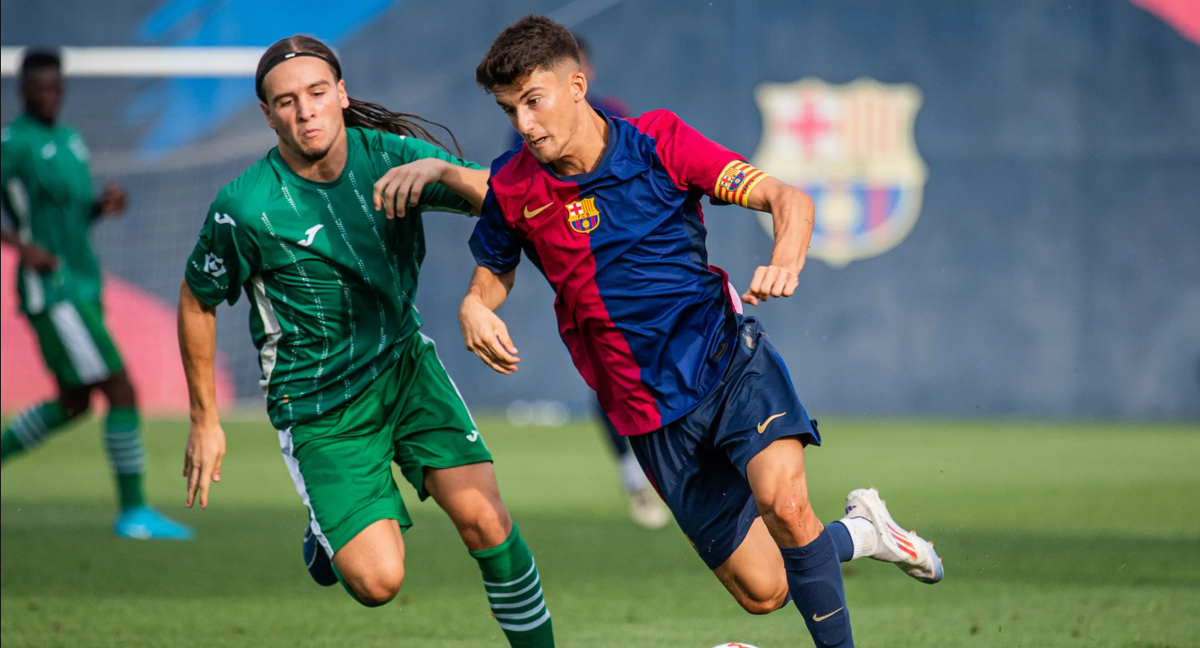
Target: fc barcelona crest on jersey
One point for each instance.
(851, 148)
(582, 215)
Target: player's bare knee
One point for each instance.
(75, 403)
(788, 510)
(379, 587)
(485, 527)
(790, 519)
(119, 391)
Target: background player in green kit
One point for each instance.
(324, 236)
(48, 191)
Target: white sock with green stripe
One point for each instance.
(514, 591)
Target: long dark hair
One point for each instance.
(365, 114)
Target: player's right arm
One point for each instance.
(206, 439)
(225, 257)
(13, 159)
(497, 252)
(484, 333)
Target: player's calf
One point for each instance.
(470, 496)
(754, 574)
(33, 426)
(810, 558)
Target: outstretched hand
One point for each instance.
(771, 281)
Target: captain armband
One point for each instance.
(736, 182)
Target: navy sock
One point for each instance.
(814, 576)
(841, 540)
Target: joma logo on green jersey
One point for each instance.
(311, 232)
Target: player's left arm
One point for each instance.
(698, 163)
(792, 212)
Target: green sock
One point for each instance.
(30, 428)
(124, 444)
(514, 592)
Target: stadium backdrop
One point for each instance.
(1008, 190)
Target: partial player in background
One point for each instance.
(609, 211)
(646, 508)
(325, 237)
(48, 191)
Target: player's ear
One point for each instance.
(343, 98)
(579, 85)
(267, 113)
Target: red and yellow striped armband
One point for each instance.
(736, 182)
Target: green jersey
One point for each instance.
(48, 190)
(331, 280)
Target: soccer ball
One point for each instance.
(734, 645)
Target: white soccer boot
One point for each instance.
(909, 551)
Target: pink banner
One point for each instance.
(1183, 15)
(143, 327)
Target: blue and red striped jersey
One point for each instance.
(648, 322)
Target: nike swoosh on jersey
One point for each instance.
(535, 212)
(819, 619)
(762, 427)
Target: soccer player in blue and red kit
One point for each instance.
(609, 211)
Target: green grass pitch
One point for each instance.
(1053, 535)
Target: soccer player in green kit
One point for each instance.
(324, 236)
(48, 191)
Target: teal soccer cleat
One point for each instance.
(145, 523)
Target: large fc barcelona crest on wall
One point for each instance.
(851, 148)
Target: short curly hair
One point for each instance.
(40, 59)
(531, 43)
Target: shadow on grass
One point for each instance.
(244, 552)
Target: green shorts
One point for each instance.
(77, 348)
(341, 462)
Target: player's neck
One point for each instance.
(588, 146)
(43, 120)
(326, 169)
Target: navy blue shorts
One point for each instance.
(698, 463)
